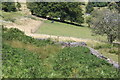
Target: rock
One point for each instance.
(73, 44)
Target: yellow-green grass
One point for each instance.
(44, 51)
(105, 51)
(63, 29)
(7, 16)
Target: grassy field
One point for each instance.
(34, 58)
(62, 29)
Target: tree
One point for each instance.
(8, 6)
(99, 4)
(18, 6)
(114, 5)
(64, 10)
(106, 22)
(90, 6)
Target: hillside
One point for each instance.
(58, 40)
(42, 29)
(46, 59)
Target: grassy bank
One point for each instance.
(31, 58)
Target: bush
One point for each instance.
(8, 6)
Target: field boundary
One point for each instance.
(99, 55)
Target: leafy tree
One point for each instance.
(99, 4)
(118, 7)
(114, 5)
(18, 6)
(63, 10)
(8, 6)
(90, 6)
(106, 22)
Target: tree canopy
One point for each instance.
(106, 22)
(63, 10)
(90, 6)
(8, 6)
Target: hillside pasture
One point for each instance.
(62, 29)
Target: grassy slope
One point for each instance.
(62, 29)
(24, 53)
(73, 65)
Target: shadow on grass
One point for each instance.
(79, 25)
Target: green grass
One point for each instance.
(62, 29)
(40, 59)
(108, 50)
(10, 16)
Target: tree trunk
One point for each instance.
(110, 38)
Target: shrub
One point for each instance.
(8, 6)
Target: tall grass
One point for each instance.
(44, 51)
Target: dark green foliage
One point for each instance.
(63, 10)
(8, 6)
(15, 34)
(77, 62)
(19, 63)
(18, 6)
(99, 4)
(90, 6)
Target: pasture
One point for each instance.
(62, 29)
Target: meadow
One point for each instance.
(62, 29)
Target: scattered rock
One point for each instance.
(72, 44)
